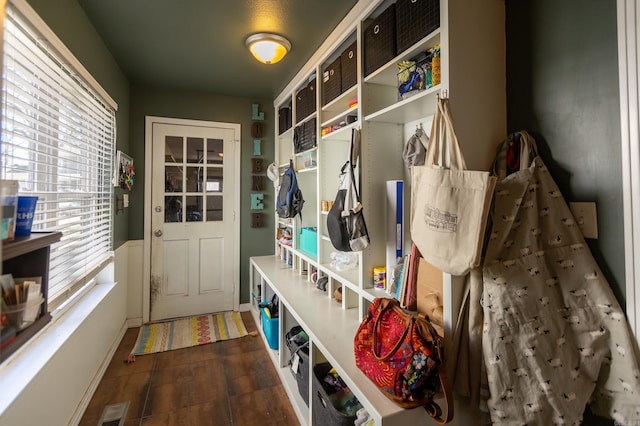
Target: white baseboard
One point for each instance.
(134, 322)
(86, 399)
(244, 307)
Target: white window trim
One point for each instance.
(629, 69)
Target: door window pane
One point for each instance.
(173, 179)
(215, 151)
(173, 149)
(172, 209)
(195, 150)
(214, 208)
(195, 177)
(193, 211)
(214, 179)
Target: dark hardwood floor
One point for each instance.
(232, 382)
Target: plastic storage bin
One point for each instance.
(270, 329)
(324, 412)
(299, 346)
(309, 240)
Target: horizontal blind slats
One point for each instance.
(58, 141)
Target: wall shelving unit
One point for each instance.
(472, 48)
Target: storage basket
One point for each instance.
(380, 40)
(306, 100)
(415, 19)
(304, 136)
(309, 240)
(270, 329)
(324, 412)
(284, 119)
(349, 67)
(301, 348)
(331, 82)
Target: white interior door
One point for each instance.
(192, 215)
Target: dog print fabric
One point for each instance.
(555, 338)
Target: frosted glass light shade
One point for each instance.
(268, 48)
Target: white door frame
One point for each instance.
(629, 69)
(148, 161)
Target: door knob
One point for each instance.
(158, 233)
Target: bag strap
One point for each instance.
(443, 134)
(354, 154)
(385, 304)
(432, 408)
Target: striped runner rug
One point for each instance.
(186, 332)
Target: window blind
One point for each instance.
(58, 140)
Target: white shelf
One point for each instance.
(413, 108)
(329, 327)
(385, 122)
(387, 74)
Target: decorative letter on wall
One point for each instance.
(256, 201)
(257, 168)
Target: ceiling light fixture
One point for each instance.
(268, 48)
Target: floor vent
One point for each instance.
(114, 414)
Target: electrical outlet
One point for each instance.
(586, 218)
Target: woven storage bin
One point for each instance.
(284, 119)
(302, 375)
(415, 19)
(380, 40)
(331, 82)
(324, 413)
(306, 100)
(349, 67)
(304, 136)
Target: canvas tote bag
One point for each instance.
(449, 206)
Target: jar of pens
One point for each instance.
(21, 300)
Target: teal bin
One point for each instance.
(309, 240)
(270, 329)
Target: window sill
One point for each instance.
(19, 370)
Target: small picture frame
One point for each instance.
(124, 174)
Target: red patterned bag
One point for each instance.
(402, 355)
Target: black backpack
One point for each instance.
(290, 201)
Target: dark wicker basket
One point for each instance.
(306, 100)
(349, 67)
(331, 82)
(284, 119)
(415, 19)
(304, 136)
(380, 40)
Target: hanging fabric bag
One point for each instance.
(449, 206)
(402, 354)
(553, 331)
(345, 221)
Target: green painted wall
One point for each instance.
(203, 106)
(562, 87)
(67, 19)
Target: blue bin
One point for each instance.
(270, 329)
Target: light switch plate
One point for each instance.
(586, 218)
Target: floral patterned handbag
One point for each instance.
(402, 355)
